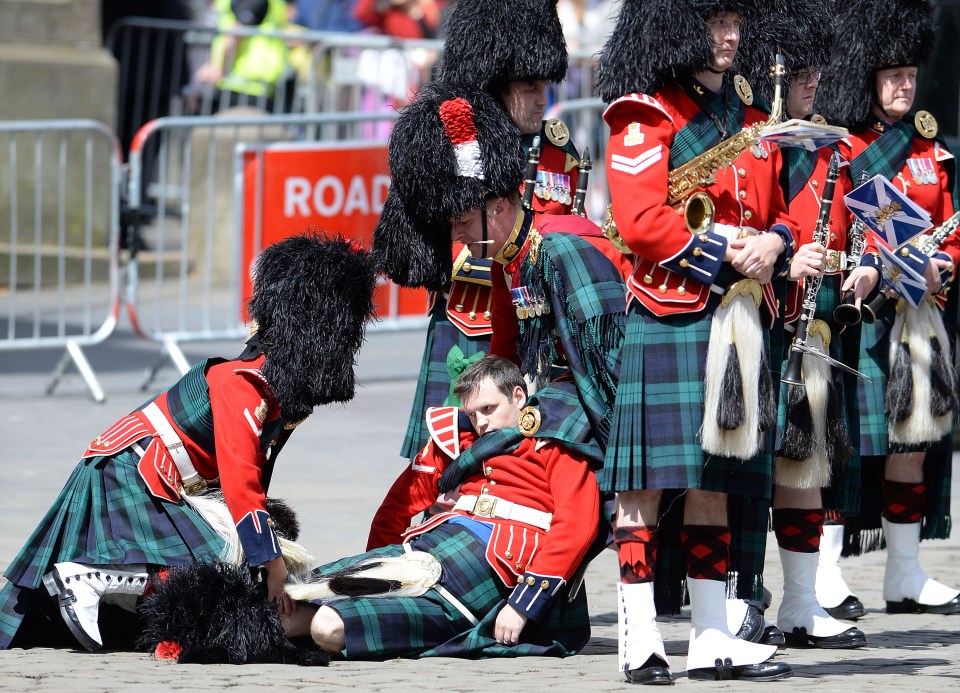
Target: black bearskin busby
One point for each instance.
(450, 150)
(492, 42)
(800, 30)
(214, 613)
(312, 295)
(655, 41)
(876, 34)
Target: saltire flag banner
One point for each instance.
(900, 276)
(887, 212)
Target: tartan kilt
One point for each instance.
(429, 626)
(874, 363)
(433, 385)
(843, 493)
(104, 516)
(654, 436)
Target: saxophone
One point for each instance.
(684, 181)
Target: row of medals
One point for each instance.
(545, 191)
(529, 305)
(923, 171)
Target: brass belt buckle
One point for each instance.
(195, 487)
(833, 260)
(485, 506)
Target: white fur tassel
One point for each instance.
(920, 427)
(414, 573)
(815, 471)
(738, 323)
(298, 559)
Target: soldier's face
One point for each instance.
(725, 35)
(490, 410)
(468, 228)
(526, 102)
(803, 90)
(896, 89)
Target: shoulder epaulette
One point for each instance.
(645, 99)
(443, 425)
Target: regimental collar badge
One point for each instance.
(529, 422)
(557, 132)
(926, 124)
(818, 119)
(743, 89)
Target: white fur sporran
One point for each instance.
(916, 324)
(815, 471)
(737, 324)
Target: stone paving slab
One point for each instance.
(335, 471)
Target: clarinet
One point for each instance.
(530, 175)
(583, 178)
(793, 374)
(929, 246)
(848, 313)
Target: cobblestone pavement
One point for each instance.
(335, 471)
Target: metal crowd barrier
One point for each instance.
(59, 257)
(185, 277)
(327, 71)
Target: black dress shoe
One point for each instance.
(850, 609)
(849, 639)
(654, 672)
(724, 670)
(772, 636)
(909, 606)
(752, 628)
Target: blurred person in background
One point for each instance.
(249, 70)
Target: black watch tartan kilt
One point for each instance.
(862, 531)
(655, 444)
(104, 516)
(430, 626)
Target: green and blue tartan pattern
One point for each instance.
(701, 133)
(433, 384)
(587, 296)
(105, 515)
(654, 439)
(429, 626)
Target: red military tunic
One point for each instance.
(246, 423)
(539, 475)
(674, 269)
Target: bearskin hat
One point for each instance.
(877, 34)
(655, 41)
(450, 150)
(492, 42)
(214, 613)
(800, 30)
(312, 295)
